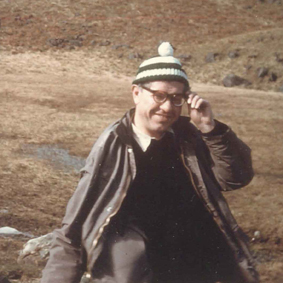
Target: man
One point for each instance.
(148, 207)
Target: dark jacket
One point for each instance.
(216, 161)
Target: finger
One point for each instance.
(194, 101)
(199, 103)
(191, 96)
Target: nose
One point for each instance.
(167, 105)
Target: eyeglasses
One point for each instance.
(178, 99)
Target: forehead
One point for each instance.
(169, 87)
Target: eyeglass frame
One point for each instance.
(170, 96)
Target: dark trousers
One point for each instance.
(123, 259)
(130, 258)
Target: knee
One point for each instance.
(131, 244)
(129, 258)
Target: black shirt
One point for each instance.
(161, 200)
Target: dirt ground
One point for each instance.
(56, 98)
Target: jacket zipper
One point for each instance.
(191, 175)
(102, 227)
(206, 204)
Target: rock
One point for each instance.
(93, 42)
(273, 77)
(233, 54)
(135, 55)
(253, 56)
(8, 31)
(4, 211)
(185, 57)
(75, 42)
(248, 67)
(262, 72)
(233, 80)
(118, 46)
(211, 57)
(104, 43)
(278, 58)
(36, 249)
(9, 231)
(257, 234)
(86, 278)
(280, 88)
(80, 37)
(56, 41)
(260, 39)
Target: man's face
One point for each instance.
(154, 118)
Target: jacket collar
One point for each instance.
(182, 128)
(124, 128)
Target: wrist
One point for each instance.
(208, 127)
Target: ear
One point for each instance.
(136, 93)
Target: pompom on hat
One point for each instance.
(161, 68)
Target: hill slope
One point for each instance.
(66, 69)
(124, 32)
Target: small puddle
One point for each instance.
(58, 157)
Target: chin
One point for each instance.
(162, 128)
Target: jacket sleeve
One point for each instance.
(67, 261)
(230, 156)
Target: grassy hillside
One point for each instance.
(120, 30)
(66, 69)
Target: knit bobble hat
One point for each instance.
(161, 68)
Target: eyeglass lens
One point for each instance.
(161, 97)
(176, 99)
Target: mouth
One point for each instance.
(164, 117)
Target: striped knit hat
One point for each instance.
(161, 68)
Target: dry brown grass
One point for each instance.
(70, 109)
(194, 27)
(56, 96)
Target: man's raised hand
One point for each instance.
(200, 112)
